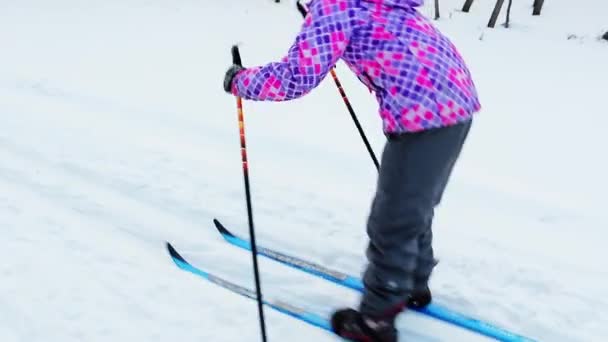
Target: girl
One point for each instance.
(426, 100)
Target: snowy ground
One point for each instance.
(115, 136)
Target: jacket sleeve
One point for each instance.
(320, 44)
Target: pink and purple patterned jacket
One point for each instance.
(419, 78)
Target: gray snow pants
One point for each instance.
(413, 174)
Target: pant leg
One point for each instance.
(414, 172)
(425, 263)
(426, 258)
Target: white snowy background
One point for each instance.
(116, 135)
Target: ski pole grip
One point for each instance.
(236, 56)
(302, 9)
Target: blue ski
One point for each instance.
(284, 307)
(432, 310)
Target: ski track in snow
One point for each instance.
(115, 136)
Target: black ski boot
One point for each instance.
(355, 326)
(420, 297)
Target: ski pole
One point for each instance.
(304, 12)
(236, 59)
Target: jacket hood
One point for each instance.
(398, 3)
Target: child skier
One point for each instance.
(426, 101)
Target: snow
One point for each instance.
(115, 136)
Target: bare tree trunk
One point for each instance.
(467, 6)
(495, 13)
(538, 6)
(509, 14)
(437, 16)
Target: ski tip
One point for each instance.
(174, 254)
(223, 230)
